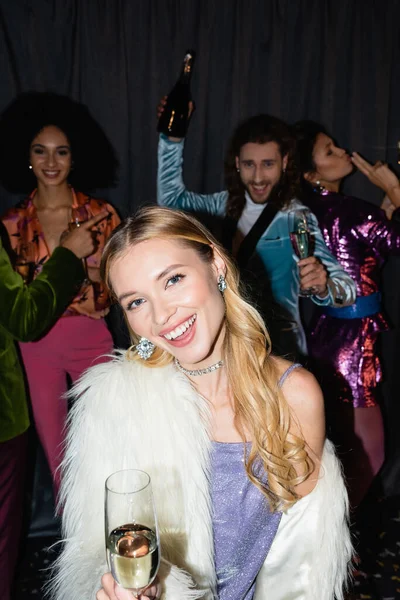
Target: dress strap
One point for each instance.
(287, 373)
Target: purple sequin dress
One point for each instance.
(361, 237)
(243, 526)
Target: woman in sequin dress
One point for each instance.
(343, 342)
(249, 495)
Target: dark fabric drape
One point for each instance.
(330, 60)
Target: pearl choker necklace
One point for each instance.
(196, 372)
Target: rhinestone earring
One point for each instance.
(222, 284)
(30, 166)
(145, 348)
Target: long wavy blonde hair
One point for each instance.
(259, 405)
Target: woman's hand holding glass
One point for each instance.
(132, 540)
(80, 216)
(80, 240)
(25, 262)
(112, 591)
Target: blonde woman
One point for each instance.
(249, 495)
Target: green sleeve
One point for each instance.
(26, 311)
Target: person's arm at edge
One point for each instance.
(171, 189)
(28, 310)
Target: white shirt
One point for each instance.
(250, 214)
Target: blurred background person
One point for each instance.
(344, 341)
(26, 312)
(255, 210)
(52, 148)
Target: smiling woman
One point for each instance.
(47, 145)
(177, 304)
(50, 155)
(232, 437)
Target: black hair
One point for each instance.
(305, 134)
(94, 160)
(260, 129)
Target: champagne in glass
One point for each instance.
(79, 215)
(25, 261)
(132, 539)
(174, 120)
(301, 240)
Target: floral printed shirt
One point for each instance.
(23, 225)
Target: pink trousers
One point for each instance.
(73, 345)
(13, 456)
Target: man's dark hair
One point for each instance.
(260, 130)
(94, 160)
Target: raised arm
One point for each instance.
(383, 177)
(382, 234)
(171, 190)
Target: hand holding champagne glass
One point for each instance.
(25, 262)
(79, 215)
(132, 539)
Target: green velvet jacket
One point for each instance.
(26, 312)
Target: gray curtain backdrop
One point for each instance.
(336, 61)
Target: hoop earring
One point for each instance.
(319, 187)
(145, 348)
(222, 284)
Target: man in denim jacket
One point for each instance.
(260, 170)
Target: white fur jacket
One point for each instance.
(128, 416)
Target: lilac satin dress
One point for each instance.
(243, 526)
(345, 349)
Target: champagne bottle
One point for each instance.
(174, 120)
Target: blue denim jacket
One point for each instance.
(274, 249)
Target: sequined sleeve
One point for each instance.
(341, 287)
(374, 229)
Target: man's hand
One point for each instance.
(313, 275)
(112, 591)
(82, 240)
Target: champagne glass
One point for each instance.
(25, 262)
(132, 538)
(301, 239)
(79, 215)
